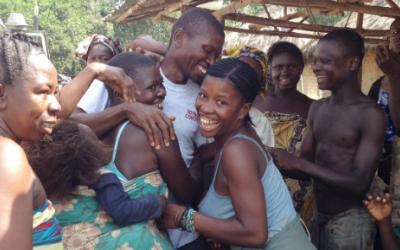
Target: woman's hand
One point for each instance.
(379, 205)
(171, 217)
(117, 79)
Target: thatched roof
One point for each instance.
(263, 42)
(296, 19)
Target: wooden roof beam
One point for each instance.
(301, 21)
(392, 4)
(268, 14)
(328, 4)
(291, 34)
(173, 7)
(233, 7)
(129, 11)
(287, 24)
(360, 18)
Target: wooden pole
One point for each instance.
(328, 4)
(291, 34)
(287, 24)
(360, 18)
(392, 4)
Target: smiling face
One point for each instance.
(220, 106)
(198, 51)
(330, 65)
(286, 70)
(152, 90)
(99, 53)
(29, 106)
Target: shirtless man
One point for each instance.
(341, 147)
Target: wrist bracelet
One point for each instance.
(187, 221)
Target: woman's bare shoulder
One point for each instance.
(14, 166)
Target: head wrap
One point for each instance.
(255, 54)
(108, 42)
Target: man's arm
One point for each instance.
(101, 122)
(365, 161)
(185, 186)
(156, 124)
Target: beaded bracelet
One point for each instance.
(187, 220)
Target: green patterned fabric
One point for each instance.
(87, 226)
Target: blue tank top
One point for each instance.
(279, 206)
(111, 165)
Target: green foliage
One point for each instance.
(328, 20)
(158, 30)
(66, 23)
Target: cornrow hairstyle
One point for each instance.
(349, 40)
(110, 43)
(15, 49)
(243, 77)
(194, 19)
(284, 47)
(66, 159)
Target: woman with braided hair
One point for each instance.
(257, 60)
(29, 109)
(247, 205)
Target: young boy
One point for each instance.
(341, 147)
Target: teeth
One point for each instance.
(202, 69)
(206, 121)
(48, 125)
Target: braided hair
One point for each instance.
(15, 49)
(241, 74)
(243, 77)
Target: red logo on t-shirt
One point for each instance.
(191, 115)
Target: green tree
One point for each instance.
(66, 23)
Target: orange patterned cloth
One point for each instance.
(289, 130)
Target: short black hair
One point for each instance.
(350, 41)
(192, 20)
(15, 49)
(395, 21)
(132, 62)
(66, 159)
(284, 47)
(241, 74)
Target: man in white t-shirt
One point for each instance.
(196, 42)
